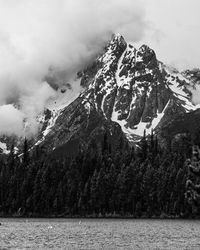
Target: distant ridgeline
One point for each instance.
(144, 182)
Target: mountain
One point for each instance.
(193, 76)
(137, 91)
(124, 92)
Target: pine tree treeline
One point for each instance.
(193, 182)
(144, 182)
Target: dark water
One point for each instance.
(99, 234)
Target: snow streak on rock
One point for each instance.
(3, 148)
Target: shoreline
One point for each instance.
(162, 217)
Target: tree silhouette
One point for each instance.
(193, 182)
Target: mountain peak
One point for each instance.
(133, 89)
(117, 37)
(146, 48)
(117, 40)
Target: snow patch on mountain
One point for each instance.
(141, 126)
(178, 84)
(127, 56)
(50, 124)
(3, 148)
(150, 126)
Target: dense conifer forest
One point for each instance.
(145, 181)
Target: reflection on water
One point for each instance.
(99, 234)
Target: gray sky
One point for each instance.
(174, 31)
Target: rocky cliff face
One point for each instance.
(126, 91)
(77, 125)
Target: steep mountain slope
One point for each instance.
(78, 124)
(124, 89)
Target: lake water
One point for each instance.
(99, 234)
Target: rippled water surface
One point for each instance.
(99, 234)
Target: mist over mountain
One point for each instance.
(36, 37)
(123, 90)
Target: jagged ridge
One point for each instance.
(124, 85)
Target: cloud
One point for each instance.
(32, 104)
(178, 22)
(195, 94)
(65, 35)
(11, 120)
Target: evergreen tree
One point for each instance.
(143, 181)
(25, 152)
(192, 184)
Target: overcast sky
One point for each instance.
(174, 31)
